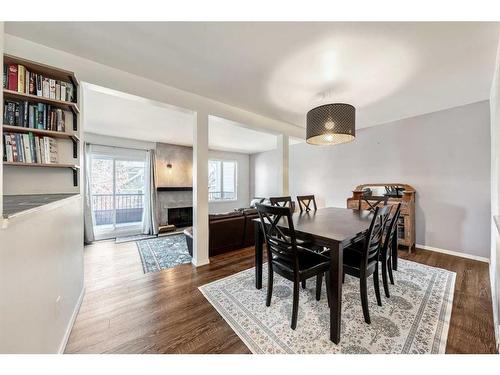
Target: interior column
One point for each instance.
(200, 190)
(283, 149)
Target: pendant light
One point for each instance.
(331, 124)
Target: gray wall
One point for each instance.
(445, 155)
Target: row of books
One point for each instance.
(28, 148)
(34, 115)
(17, 78)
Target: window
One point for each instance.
(221, 180)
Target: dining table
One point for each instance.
(333, 228)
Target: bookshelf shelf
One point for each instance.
(40, 165)
(69, 106)
(40, 132)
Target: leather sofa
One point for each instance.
(227, 232)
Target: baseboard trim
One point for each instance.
(454, 253)
(65, 339)
(199, 263)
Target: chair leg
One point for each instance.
(377, 286)
(269, 284)
(389, 268)
(384, 278)
(295, 304)
(303, 284)
(319, 281)
(364, 298)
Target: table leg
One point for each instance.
(259, 240)
(336, 267)
(395, 252)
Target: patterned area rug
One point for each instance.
(164, 252)
(415, 319)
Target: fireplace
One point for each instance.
(180, 216)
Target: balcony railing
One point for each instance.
(221, 195)
(129, 208)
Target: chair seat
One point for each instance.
(310, 264)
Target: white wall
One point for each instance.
(495, 193)
(106, 140)
(265, 174)
(445, 155)
(41, 277)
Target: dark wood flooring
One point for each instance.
(126, 311)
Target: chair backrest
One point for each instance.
(372, 202)
(281, 241)
(373, 241)
(281, 201)
(392, 228)
(305, 202)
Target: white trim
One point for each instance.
(65, 339)
(454, 253)
(200, 262)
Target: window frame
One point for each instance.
(235, 162)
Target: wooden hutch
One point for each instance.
(370, 195)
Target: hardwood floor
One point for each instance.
(126, 311)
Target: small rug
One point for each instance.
(137, 237)
(415, 319)
(164, 252)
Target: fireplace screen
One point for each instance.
(180, 216)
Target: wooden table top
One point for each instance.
(332, 223)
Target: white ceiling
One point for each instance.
(113, 113)
(387, 71)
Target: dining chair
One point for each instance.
(386, 251)
(305, 202)
(369, 200)
(286, 258)
(282, 202)
(287, 202)
(361, 259)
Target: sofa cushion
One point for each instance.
(226, 215)
(256, 200)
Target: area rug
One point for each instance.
(137, 237)
(415, 319)
(164, 252)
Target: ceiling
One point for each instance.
(386, 70)
(113, 113)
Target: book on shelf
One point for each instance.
(17, 78)
(29, 148)
(35, 115)
(11, 79)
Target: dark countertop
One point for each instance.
(14, 204)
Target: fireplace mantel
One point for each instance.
(174, 188)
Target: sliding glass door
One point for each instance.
(117, 191)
